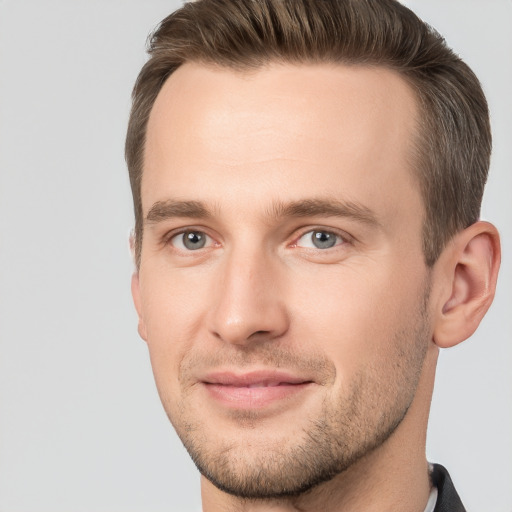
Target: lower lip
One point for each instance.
(254, 398)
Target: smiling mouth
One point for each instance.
(253, 390)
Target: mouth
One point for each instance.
(254, 390)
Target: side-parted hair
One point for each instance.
(453, 140)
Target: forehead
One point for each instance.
(334, 129)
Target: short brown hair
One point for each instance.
(453, 145)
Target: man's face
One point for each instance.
(282, 289)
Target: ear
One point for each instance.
(138, 306)
(131, 241)
(468, 271)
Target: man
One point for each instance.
(307, 178)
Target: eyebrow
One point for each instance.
(324, 208)
(164, 210)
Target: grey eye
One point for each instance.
(190, 240)
(323, 239)
(194, 240)
(319, 239)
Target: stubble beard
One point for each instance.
(350, 426)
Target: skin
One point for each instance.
(254, 163)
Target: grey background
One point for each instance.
(81, 426)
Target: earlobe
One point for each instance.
(470, 268)
(138, 305)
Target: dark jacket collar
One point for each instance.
(447, 498)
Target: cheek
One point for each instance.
(353, 315)
(173, 307)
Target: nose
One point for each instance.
(249, 301)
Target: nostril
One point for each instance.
(259, 333)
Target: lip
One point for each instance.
(255, 389)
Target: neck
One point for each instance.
(392, 478)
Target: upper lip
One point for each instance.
(253, 378)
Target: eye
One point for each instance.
(190, 240)
(319, 239)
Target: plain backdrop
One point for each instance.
(81, 426)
